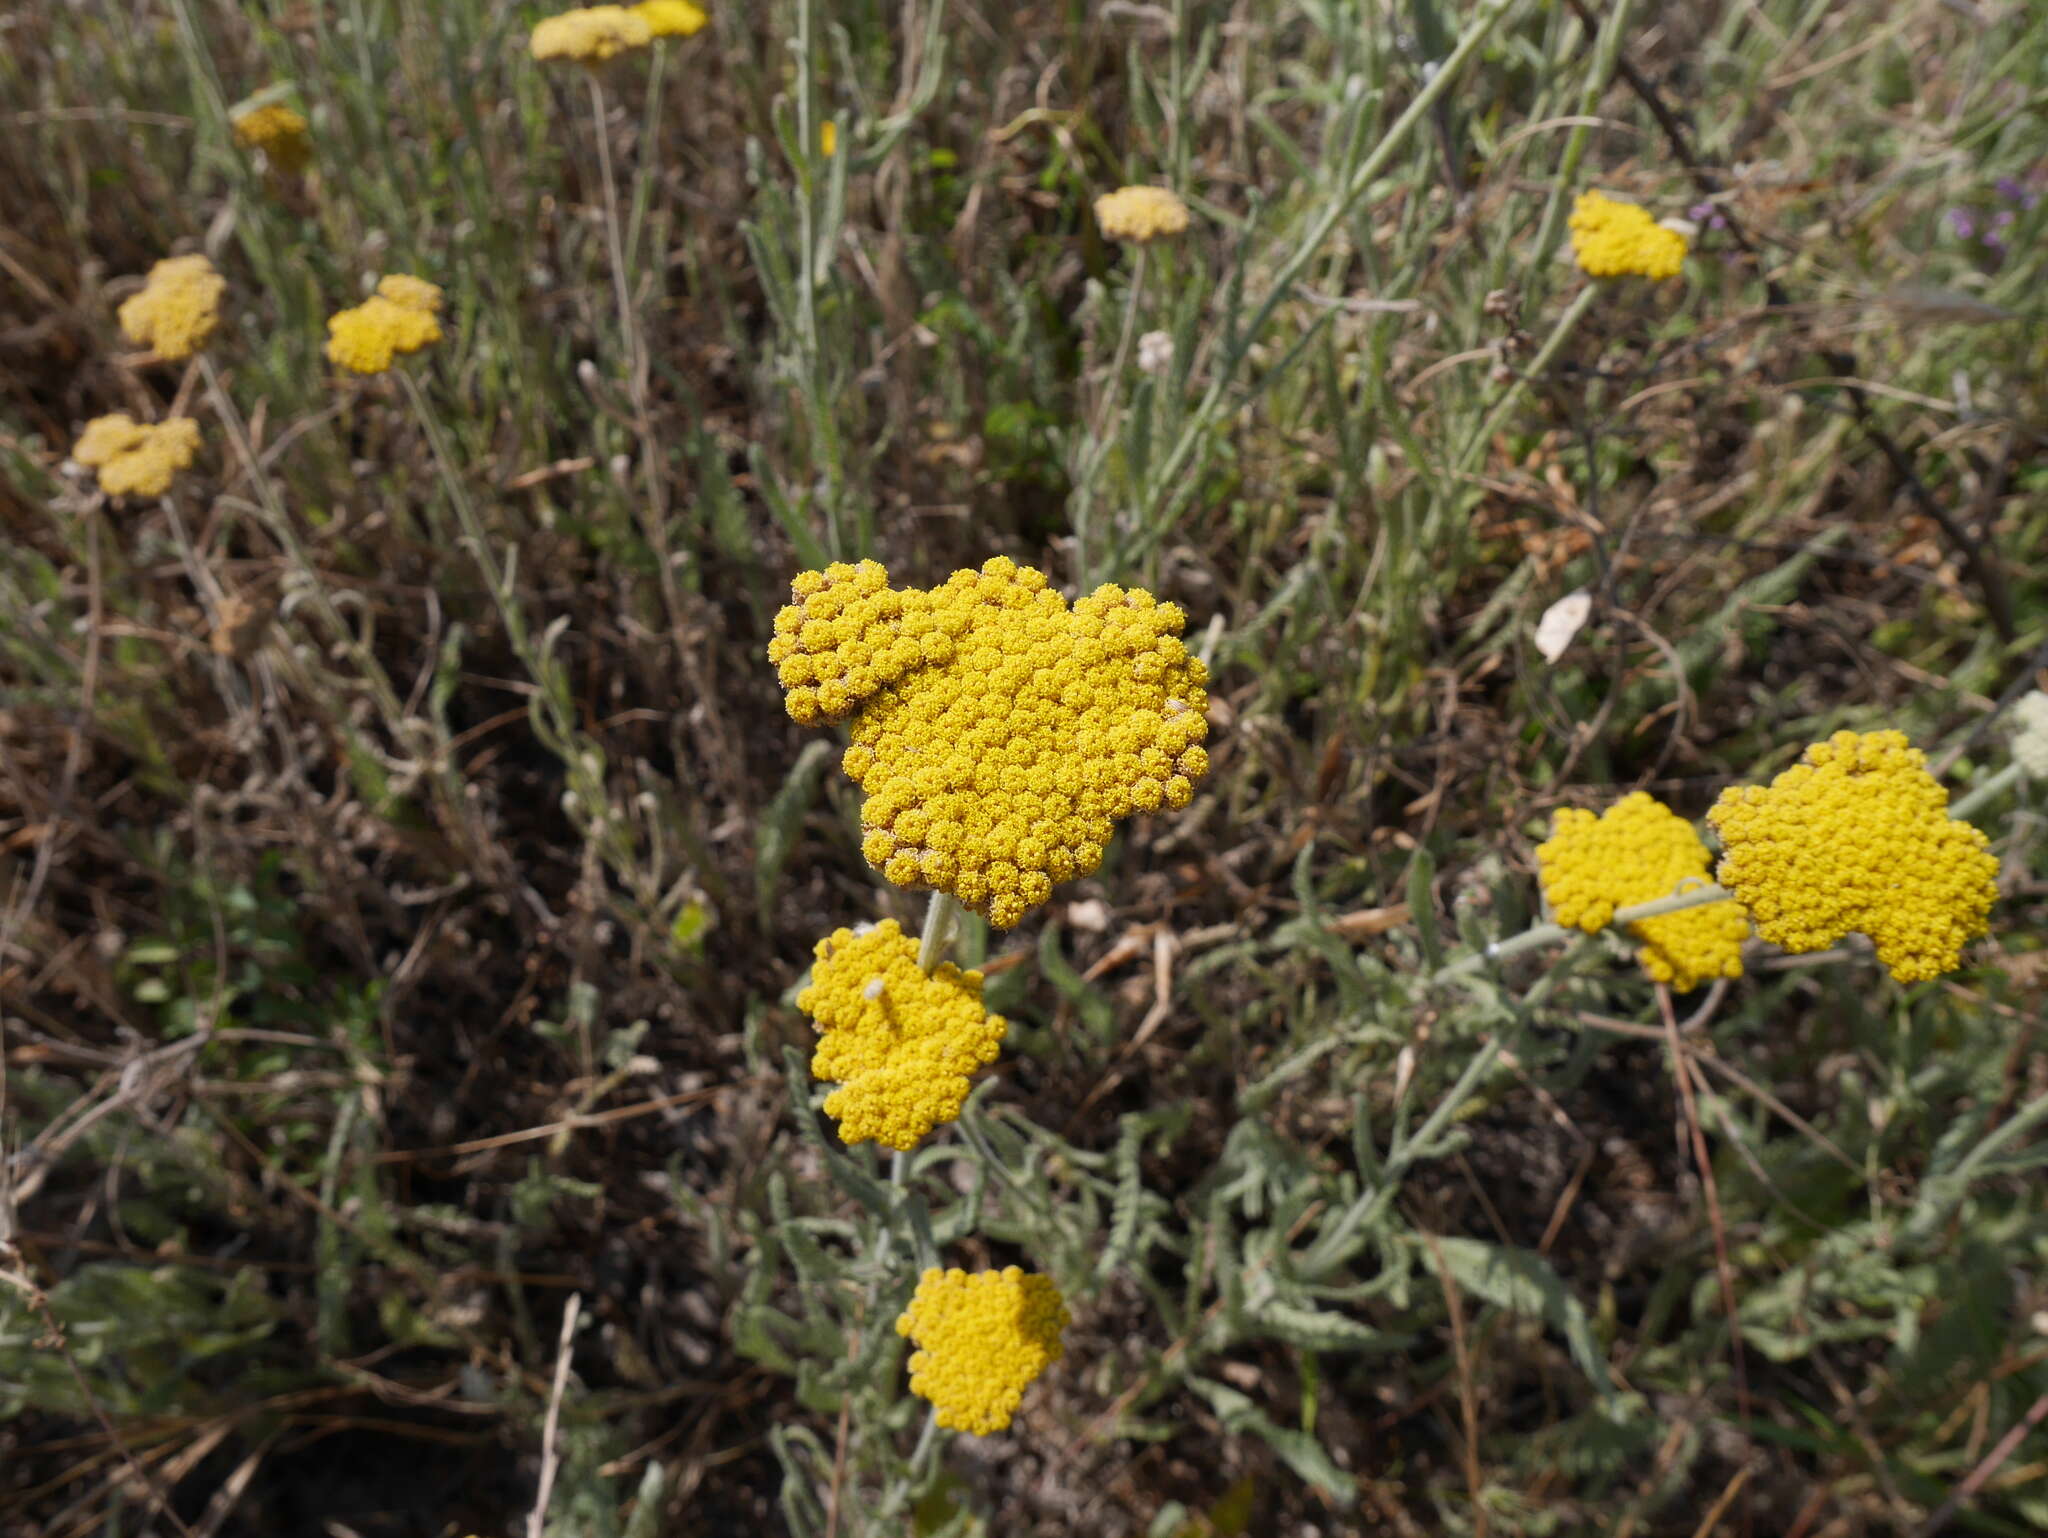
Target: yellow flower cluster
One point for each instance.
(982, 1340)
(133, 458)
(399, 317)
(595, 33)
(590, 35)
(1140, 214)
(1637, 851)
(999, 734)
(671, 18)
(1856, 838)
(277, 131)
(898, 1041)
(1612, 239)
(178, 308)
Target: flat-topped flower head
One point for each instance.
(178, 308)
(1634, 852)
(414, 293)
(136, 459)
(591, 35)
(279, 132)
(999, 734)
(399, 318)
(898, 1041)
(1612, 239)
(1856, 838)
(982, 1339)
(671, 18)
(1140, 214)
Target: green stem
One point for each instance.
(1422, 1144)
(644, 170)
(615, 241)
(1105, 423)
(2003, 780)
(1606, 51)
(905, 1481)
(280, 526)
(899, 1168)
(1439, 85)
(1549, 934)
(1545, 354)
(2030, 1115)
(940, 924)
(926, 1441)
(472, 525)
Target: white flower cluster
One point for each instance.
(2030, 735)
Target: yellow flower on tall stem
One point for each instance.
(982, 1340)
(136, 459)
(177, 309)
(279, 132)
(1000, 735)
(899, 1041)
(401, 317)
(1635, 852)
(1141, 215)
(1856, 838)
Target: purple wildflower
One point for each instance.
(1960, 221)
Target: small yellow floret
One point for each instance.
(591, 35)
(898, 1041)
(178, 308)
(1637, 851)
(992, 725)
(982, 1340)
(133, 458)
(1140, 214)
(398, 318)
(277, 131)
(1856, 838)
(1612, 239)
(671, 18)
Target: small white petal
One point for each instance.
(1560, 622)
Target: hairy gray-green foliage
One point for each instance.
(515, 710)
